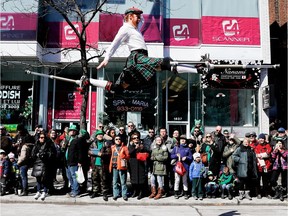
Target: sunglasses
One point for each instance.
(117, 139)
(135, 137)
(208, 136)
(121, 129)
(151, 131)
(130, 125)
(41, 137)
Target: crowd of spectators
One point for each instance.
(204, 165)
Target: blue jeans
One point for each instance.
(41, 184)
(71, 175)
(24, 177)
(122, 174)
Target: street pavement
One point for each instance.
(84, 199)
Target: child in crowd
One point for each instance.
(196, 171)
(15, 174)
(211, 187)
(226, 183)
(5, 166)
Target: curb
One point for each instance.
(170, 201)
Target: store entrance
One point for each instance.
(181, 127)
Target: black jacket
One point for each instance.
(75, 152)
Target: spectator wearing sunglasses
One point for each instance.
(131, 129)
(118, 167)
(137, 167)
(122, 133)
(148, 140)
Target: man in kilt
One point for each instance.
(139, 70)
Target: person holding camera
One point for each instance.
(280, 166)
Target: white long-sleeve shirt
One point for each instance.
(129, 35)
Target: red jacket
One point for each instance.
(265, 151)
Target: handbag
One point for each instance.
(204, 158)
(123, 163)
(180, 169)
(80, 175)
(142, 156)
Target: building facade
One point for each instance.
(229, 31)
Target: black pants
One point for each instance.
(275, 175)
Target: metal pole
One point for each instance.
(53, 77)
(212, 66)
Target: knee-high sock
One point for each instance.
(98, 83)
(186, 69)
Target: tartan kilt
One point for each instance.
(139, 70)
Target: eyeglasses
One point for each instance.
(196, 131)
(41, 137)
(121, 129)
(130, 125)
(117, 139)
(135, 137)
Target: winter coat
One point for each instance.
(225, 179)
(245, 161)
(184, 151)
(6, 168)
(227, 154)
(25, 154)
(265, 151)
(123, 153)
(74, 152)
(282, 156)
(105, 155)
(43, 155)
(137, 168)
(159, 156)
(196, 170)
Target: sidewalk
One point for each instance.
(84, 199)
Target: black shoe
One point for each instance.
(134, 194)
(105, 198)
(93, 195)
(115, 198)
(125, 198)
(140, 196)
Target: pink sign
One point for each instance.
(181, 32)
(69, 107)
(62, 35)
(18, 26)
(230, 30)
(18, 21)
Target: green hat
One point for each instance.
(209, 173)
(83, 131)
(99, 132)
(73, 127)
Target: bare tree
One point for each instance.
(73, 8)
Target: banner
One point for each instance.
(230, 30)
(18, 26)
(60, 34)
(181, 32)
